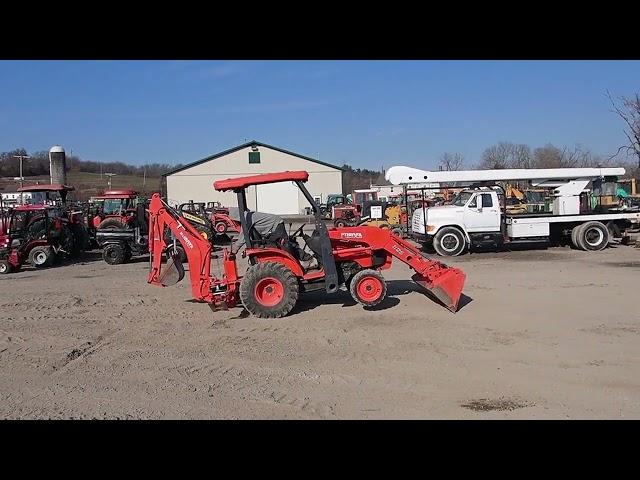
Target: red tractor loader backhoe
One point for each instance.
(350, 256)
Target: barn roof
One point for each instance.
(245, 145)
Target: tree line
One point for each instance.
(38, 164)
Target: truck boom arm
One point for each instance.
(400, 175)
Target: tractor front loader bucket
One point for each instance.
(446, 287)
(173, 271)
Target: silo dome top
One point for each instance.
(56, 149)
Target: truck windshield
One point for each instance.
(461, 199)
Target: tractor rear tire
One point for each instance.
(269, 290)
(113, 254)
(594, 236)
(449, 242)
(368, 287)
(41, 256)
(111, 224)
(5, 267)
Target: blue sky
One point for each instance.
(366, 113)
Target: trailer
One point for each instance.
(477, 216)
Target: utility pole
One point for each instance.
(110, 175)
(100, 170)
(144, 178)
(21, 157)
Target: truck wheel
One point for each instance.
(368, 287)
(576, 236)
(5, 267)
(269, 290)
(113, 254)
(614, 230)
(41, 257)
(127, 255)
(449, 242)
(111, 224)
(221, 228)
(593, 236)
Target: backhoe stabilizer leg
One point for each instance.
(446, 287)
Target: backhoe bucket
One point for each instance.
(172, 272)
(447, 288)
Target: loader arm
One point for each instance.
(444, 282)
(361, 244)
(198, 249)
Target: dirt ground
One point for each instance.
(543, 334)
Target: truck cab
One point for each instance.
(473, 215)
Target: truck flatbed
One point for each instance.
(550, 218)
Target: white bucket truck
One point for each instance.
(477, 216)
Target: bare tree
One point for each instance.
(451, 161)
(628, 109)
(506, 155)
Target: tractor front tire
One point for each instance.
(113, 254)
(269, 290)
(449, 242)
(41, 256)
(368, 287)
(5, 267)
(205, 232)
(340, 223)
(221, 228)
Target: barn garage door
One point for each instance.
(280, 198)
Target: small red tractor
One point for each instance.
(350, 256)
(221, 222)
(349, 214)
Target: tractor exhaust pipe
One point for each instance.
(446, 288)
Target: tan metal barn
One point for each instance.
(195, 181)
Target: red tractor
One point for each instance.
(40, 234)
(37, 234)
(351, 256)
(349, 214)
(114, 209)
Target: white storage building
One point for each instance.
(195, 181)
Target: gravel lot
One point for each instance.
(543, 334)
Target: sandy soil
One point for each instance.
(544, 334)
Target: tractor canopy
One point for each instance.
(124, 194)
(244, 182)
(62, 190)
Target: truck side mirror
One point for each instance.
(479, 202)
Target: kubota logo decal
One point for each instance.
(351, 235)
(187, 241)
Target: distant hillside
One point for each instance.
(89, 184)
